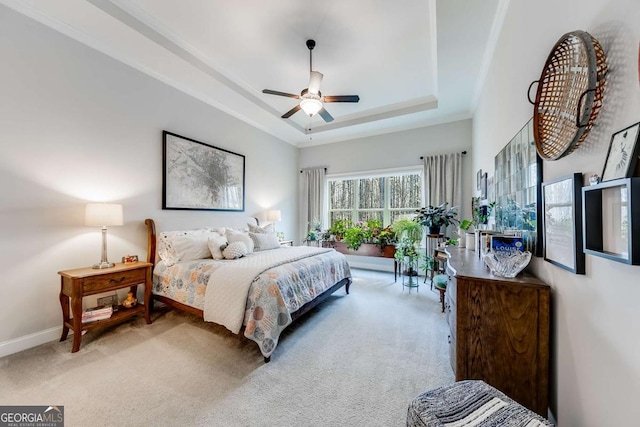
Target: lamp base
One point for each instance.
(103, 264)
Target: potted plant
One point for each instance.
(355, 236)
(409, 233)
(407, 254)
(338, 229)
(408, 228)
(435, 217)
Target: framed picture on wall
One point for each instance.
(478, 179)
(562, 223)
(199, 176)
(483, 186)
(623, 154)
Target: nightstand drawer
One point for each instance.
(115, 280)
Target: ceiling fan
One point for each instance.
(311, 98)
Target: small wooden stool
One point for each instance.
(439, 281)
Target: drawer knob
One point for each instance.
(120, 280)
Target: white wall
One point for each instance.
(394, 150)
(595, 345)
(78, 126)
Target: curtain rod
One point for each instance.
(464, 152)
(306, 169)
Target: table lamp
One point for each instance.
(274, 216)
(102, 215)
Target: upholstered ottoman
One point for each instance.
(470, 403)
(439, 282)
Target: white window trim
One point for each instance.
(377, 173)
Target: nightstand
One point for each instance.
(81, 282)
(286, 242)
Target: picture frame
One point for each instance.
(483, 186)
(562, 223)
(623, 153)
(199, 176)
(478, 179)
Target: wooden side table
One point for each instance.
(81, 282)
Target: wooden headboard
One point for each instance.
(151, 240)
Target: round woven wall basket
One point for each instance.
(569, 95)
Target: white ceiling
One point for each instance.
(414, 63)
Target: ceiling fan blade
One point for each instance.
(341, 98)
(291, 112)
(275, 92)
(314, 82)
(325, 115)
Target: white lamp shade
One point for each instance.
(274, 215)
(311, 106)
(102, 214)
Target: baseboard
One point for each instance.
(29, 341)
(369, 265)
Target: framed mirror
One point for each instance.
(517, 189)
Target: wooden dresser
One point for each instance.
(499, 329)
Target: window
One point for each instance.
(383, 195)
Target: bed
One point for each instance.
(258, 294)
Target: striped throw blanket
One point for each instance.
(470, 404)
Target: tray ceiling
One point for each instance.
(414, 63)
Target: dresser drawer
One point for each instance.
(452, 286)
(451, 318)
(452, 353)
(115, 280)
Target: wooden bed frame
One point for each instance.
(151, 257)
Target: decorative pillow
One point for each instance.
(235, 250)
(240, 236)
(219, 230)
(175, 246)
(216, 244)
(263, 241)
(269, 228)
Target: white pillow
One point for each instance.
(216, 241)
(240, 236)
(219, 230)
(264, 241)
(175, 246)
(269, 228)
(235, 250)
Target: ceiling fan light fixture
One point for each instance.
(311, 106)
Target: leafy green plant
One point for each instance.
(386, 237)
(338, 228)
(370, 231)
(356, 236)
(426, 262)
(408, 228)
(437, 216)
(465, 224)
(481, 213)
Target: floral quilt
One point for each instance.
(272, 297)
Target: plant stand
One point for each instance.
(410, 275)
(432, 242)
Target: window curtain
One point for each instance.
(443, 180)
(311, 202)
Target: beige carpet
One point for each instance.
(356, 360)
